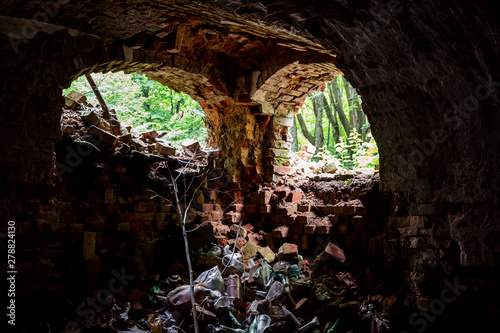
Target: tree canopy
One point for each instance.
(147, 104)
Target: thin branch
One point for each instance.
(183, 216)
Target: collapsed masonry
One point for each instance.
(305, 214)
(415, 70)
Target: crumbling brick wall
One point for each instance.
(429, 98)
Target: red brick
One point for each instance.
(265, 197)
(335, 252)
(283, 170)
(270, 241)
(294, 196)
(144, 207)
(138, 226)
(329, 209)
(239, 208)
(76, 228)
(288, 251)
(360, 210)
(160, 225)
(265, 209)
(348, 210)
(309, 229)
(323, 229)
(337, 210)
(248, 227)
(208, 208)
(252, 209)
(303, 242)
(69, 217)
(123, 227)
(302, 219)
(304, 208)
(297, 229)
(334, 219)
(221, 240)
(280, 232)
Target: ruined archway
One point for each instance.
(412, 63)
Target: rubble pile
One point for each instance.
(85, 123)
(252, 289)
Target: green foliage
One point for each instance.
(146, 104)
(351, 151)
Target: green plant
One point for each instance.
(146, 104)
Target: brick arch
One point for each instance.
(284, 85)
(200, 81)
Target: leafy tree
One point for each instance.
(348, 137)
(146, 104)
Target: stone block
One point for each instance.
(165, 149)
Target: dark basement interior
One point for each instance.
(104, 231)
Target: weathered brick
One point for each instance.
(294, 196)
(265, 197)
(329, 209)
(342, 229)
(323, 229)
(304, 208)
(125, 226)
(309, 229)
(76, 228)
(302, 219)
(348, 210)
(280, 232)
(252, 209)
(288, 251)
(265, 209)
(145, 207)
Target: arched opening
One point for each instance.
(143, 104)
(428, 97)
(333, 125)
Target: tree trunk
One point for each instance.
(305, 131)
(358, 117)
(295, 143)
(332, 117)
(338, 107)
(95, 89)
(318, 113)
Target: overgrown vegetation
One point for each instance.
(340, 128)
(146, 104)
